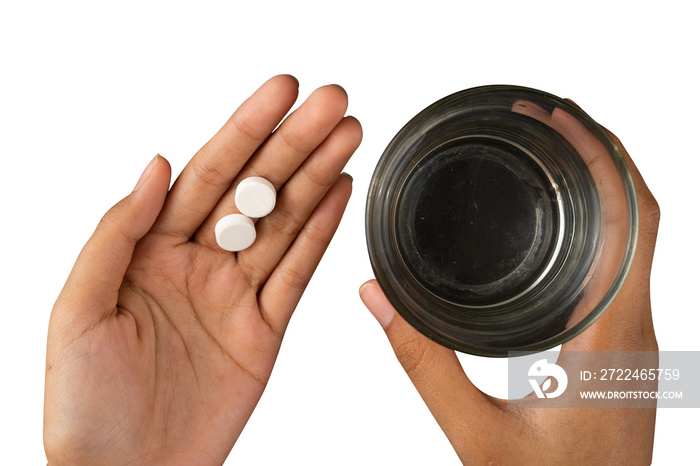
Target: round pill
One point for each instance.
(255, 197)
(235, 232)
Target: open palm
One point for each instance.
(161, 343)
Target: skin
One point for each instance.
(161, 344)
(485, 430)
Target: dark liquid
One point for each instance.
(478, 222)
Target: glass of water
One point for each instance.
(501, 218)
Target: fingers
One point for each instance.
(627, 324)
(649, 212)
(635, 293)
(614, 204)
(600, 165)
(435, 372)
(92, 287)
(211, 171)
(532, 110)
(299, 135)
(284, 288)
(298, 199)
(286, 150)
(593, 153)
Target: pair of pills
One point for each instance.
(255, 198)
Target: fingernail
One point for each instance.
(146, 173)
(348, 175)
(341, 88)
(376, 302)
(294, 78)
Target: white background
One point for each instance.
(91, 91)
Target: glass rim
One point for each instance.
(412, 130)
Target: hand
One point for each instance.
(485, 430)
(161, 344)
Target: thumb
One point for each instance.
(457, 405)
(92, 288)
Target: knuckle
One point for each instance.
(240, 122)
(319, 175)
(298, 143)
(412, 353)
(117, 221)
(293, 278)
(650, 215)
(207, 172)
(318, 237)
(284, 223)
